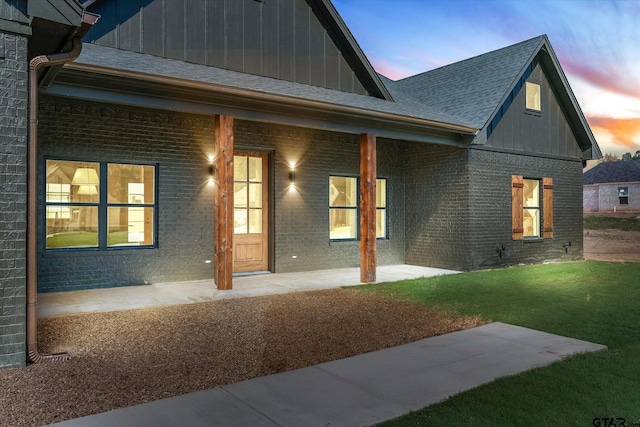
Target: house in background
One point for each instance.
(612, 187)
(182, 143)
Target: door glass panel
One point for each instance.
(255, 169)
(255, 195)
(255, 221)
(240, 194)
(239, 168)
(240, 221)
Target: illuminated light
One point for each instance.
(292, 176)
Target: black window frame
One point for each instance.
(356, 208)
(536, 208)
(103, 206)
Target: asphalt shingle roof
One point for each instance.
(621, 171)
(471, 89)
(131, 61)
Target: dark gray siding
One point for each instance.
(547, 133)
(14, 10)
(180, 145)
(437, 203)
(490, 209)
(282, 39)
(13, 202)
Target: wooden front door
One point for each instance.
(250, 212)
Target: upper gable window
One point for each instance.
(533, 96)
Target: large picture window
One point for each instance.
(80, 214)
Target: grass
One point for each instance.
(593, 301)
(608, 222)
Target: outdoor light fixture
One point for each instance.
(211, 169)
(292, 176)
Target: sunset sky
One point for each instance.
(596, 41)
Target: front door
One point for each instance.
(250, 213)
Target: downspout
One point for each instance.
(36, 64)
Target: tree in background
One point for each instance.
(609, 158)
(629, 156)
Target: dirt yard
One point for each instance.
(612, 245)
(129, 357)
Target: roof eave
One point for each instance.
(363, 65)
(251, 104)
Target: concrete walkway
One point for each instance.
(129, 297)
(358, 391)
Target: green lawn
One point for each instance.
(605, 222)
(593, 301)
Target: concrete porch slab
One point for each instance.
(161, 294)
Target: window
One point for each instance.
(623, 195)
(533, 96)
(381, 208)
(130, 204)
(343, 208)
(248, 195)
(80, 214)
(532, 208)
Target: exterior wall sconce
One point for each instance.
(211, 169)
(292, 176)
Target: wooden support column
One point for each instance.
(223, 202)
(367, 208)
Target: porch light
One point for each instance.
(292, 176)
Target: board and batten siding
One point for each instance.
(545, 133)
(282, 39)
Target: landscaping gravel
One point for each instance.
(129, 357)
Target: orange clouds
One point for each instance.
(625, 132)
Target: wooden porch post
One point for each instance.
(223, 202)
(367, 208)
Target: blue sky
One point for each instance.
(597, 43)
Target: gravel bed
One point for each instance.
(129, 357)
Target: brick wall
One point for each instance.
(302, 215)
(13, 203)
(490, 209)
(180, 144)
(437, 204)
(609, 200)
